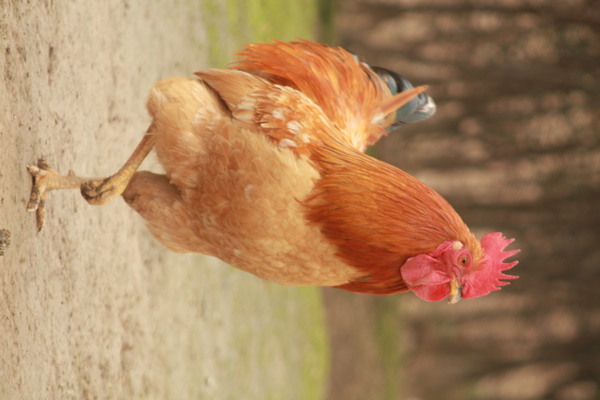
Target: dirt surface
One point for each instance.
(92, 307)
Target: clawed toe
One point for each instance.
(45, 179)
(41, 168)
(41, 174)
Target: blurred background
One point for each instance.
(514, 147)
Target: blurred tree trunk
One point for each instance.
(515, 147)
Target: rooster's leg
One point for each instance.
(96, 191)
(167, 217)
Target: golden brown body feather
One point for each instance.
(229, 191)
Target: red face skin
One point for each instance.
(449, 270)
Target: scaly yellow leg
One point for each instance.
(96, 191)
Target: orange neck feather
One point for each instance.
(378, 216)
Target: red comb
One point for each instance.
(488, 278)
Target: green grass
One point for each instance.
(232, 23)
(293, 332)
(283, 344)
(304, 316)
(388, 323)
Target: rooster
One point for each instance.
(265, 169)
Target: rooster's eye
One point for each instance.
(463, 260)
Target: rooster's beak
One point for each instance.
(455, 292)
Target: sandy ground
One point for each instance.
(92, 307)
